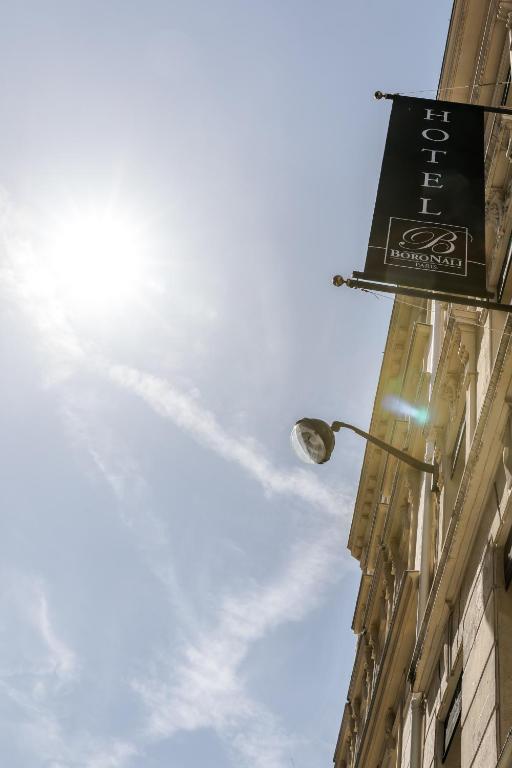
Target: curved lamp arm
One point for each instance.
(433, 468)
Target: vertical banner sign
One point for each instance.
(428, 226)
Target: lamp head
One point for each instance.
(312, 440)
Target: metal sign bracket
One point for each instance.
(465, 301)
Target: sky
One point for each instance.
(179, 181)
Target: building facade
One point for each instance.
(432, 678)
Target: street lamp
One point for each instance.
(313, 442)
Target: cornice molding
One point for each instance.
(454, 45)
(483, 54)
(395, 648)
(362, 596)
(405, 313)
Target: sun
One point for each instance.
(96, 258)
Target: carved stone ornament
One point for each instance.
(450, 391)
(389, 601)
(435, 437)
(374, 640)
(507, 452)
(482, 313)
(394, 554)
(505, 12)
(355, 712)
(368, 671)
(465, 326)
(352, 749)
(389, 721)
(495, 208)
(367, 649)
(413, 485)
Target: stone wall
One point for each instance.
(406, 737)
(469, 646)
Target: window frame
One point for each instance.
(452, 719)
(459, 444)
(505, 269)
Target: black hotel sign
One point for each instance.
(428, 226)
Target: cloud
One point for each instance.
(88, 431)
(40, 738)
(264, 743)
(115, 755)
(41, 656)
(36, 672)
(205, 687)
(63, 658)
(25, 279)
(187, 413)
(123, 475)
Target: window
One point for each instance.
(460, 443)
(505, 269)
(507, 560)
(506, 89)
(451, 730)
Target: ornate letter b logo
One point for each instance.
(436, 239)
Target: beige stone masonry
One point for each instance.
(487, 755)
(476, 602)
(478, 659)
(430, 744)
(476, 720)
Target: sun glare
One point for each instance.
(96, 259)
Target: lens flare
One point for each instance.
(96, 258)
(400, 407)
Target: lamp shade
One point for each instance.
(312, 440)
